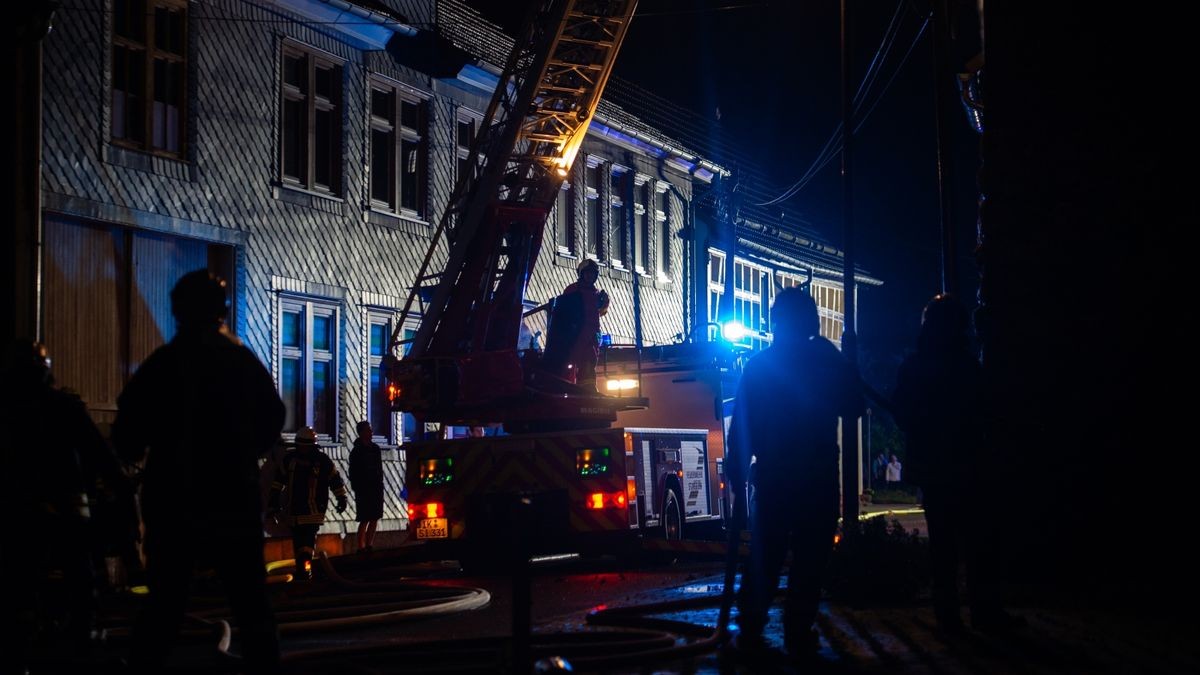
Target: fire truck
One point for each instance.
(585, 469)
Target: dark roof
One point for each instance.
(380, 8)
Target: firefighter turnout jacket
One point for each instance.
(305, 477)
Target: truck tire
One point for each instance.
(672, 516)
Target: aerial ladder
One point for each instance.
(462, 366)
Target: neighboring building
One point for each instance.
(305, 149)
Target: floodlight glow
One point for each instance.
(621, 385)
(733, 331)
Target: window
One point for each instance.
(829, 301)
(564, 231)
(312, 121)
(308, 349)
(595, 230)
(751, 298)
(149, 49)
(716, 286)
(642, 221)
(663, 216)
(379, 410)
(618, 221)
(465, 135)
(398, 157)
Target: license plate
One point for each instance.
(433, 528)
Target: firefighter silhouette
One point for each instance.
(55, 459)
(939, 404)
(786, 417)
(201, 409)
(303, 481)
(573, 342)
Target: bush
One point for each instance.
(879, 562)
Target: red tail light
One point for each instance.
(607, 500)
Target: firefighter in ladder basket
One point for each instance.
(573, 342)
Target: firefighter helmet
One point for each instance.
(945, 314)
(795, 313)
(306, 436)
(587, 264)
(199, 298)
(26, 361)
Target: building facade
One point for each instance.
(304, 150)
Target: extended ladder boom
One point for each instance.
(529, 137)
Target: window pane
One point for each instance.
(130, 19)
(322, 392)
(593, 230)
(325, 81)
(410, 175)
(295, 71)
(379, 339)
(466, 132)
(381, 104)
(383, 181)
(565, 239)
(165, 29)
(664, 254)
(295, 160)
(322, 339)
(380, 414)
(410, 115)
(290, 329)
(324, 143)
(135, 120)
(291, 390)
(619, 231)
(158, 115)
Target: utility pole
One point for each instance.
(851, 454)
(945, 160)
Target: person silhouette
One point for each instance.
(572, 343)
(786, 417)
(366, 479)
(939, 405)
(54, 456)
(303, 481)
(201, 411)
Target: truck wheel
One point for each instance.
(672, 517)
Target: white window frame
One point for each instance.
(620, 254)
(564, 226)
(308, 308)
(748, 299)
(716, 288)
(377, 317)
(643, 224)
(662, 219)
(594, 245)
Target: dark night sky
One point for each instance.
(773, 70)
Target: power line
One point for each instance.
(830, 150)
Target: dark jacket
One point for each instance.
(786, 415)
(366, 477)
(305, 477)
(938, 404)
(206, 409)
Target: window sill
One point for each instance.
(150, 162)
(617, 273)
(397, 221)
(321, 201)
